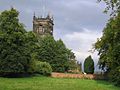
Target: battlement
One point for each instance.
(43, 26)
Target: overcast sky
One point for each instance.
(77, 22)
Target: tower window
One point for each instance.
(43, 30)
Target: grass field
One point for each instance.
(47, 83)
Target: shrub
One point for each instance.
(43, 68)
(89, 65)
(114, 76)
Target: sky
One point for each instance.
(77, 22)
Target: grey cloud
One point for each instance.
(69, 15)
(73, 15)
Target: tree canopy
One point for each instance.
(108, 47)
(15, 52)
(112, 5)
(56, 53)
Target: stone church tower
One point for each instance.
(43, 26)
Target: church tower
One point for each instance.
(43, 25)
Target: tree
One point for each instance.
(55, 53)
(31, 43)
(112, 5)
(108, 47)
(15, 52)
(89, 65)
(61, 58)
(73, 65)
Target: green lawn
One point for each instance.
(47, 83)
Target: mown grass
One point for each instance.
(48, 83)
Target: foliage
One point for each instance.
(89, 65)
(61, 57)
(54, 52)
(112, 5)
(43, 68)
(114, 76)
(15, 47)
(108, 46)
(72, 64)
(31, 43)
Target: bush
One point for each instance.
(114, 76)
(43, 68)
(89, 65)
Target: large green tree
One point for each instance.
(54, 52)
(108, 47)
(15, 49)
